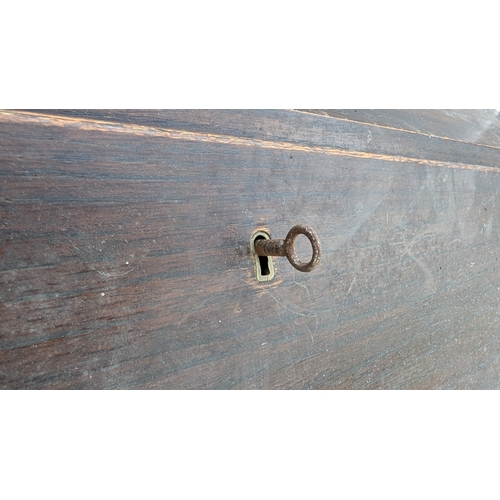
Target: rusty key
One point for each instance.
(286, 248)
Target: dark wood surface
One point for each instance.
(125, 261)
(477, 126)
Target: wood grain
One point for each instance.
(296, 128)
(475, 126)
(125, 262)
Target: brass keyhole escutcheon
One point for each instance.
(264, 248)
(264, 266)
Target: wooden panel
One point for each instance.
(284, 127)
(469, 125)
(125, 263)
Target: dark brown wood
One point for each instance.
(307, 129)
(476, 126)
(125, 260)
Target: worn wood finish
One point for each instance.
(280, 128)
(477, 126)
(125, 262)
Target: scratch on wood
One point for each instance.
(429, 277)
(301, 284)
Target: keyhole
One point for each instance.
(264, 265)
(263, 261)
